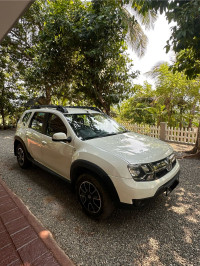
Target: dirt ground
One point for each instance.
(181, 147)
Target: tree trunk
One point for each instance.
(108, 109)
(2, 108)
(197, 145)
(3, 118)
(181, 118)
(48, 95)
(103, 103)
(190, 123)
(196, 150)
(168, 106)
(192, 112)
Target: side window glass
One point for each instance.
(55, 125)
(26, 117)
(37, 122)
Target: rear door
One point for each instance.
(34, 135)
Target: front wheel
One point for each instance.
(93, 197)
(21, 157)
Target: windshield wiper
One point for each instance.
(125, 131)
(100, 136)
(112, 134)
(93, 137)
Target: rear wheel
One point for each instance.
(93, 197)
(21, 157)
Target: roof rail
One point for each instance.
(63, 109)
(85, 107)
(57, 107)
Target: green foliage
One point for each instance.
(179, 95)
(175, 100)
(187, 61)
(185, 37)
(140, 108)
(17, 52)
(72, 52)
(55, 52)
(104, 74)
(11, 91)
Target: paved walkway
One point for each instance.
(23, 240)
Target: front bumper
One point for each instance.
(129, 190)
(169, 186)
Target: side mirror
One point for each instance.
(69, 139)
(60, 136)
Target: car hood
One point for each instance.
(133, 147)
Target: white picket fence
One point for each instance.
(183, 135)
(148, 130)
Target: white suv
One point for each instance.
(105, 163)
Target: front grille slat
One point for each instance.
(161, 167)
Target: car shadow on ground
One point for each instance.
(163, 218)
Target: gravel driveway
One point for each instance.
(165, 232)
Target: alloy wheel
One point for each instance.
(90, 197)
(20, 156)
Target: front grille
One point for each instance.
(163, 167)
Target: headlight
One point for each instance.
(172, 157)
(142, 172)
(152, 171)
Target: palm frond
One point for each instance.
(136, 36)
(154, 72)
(148, 20)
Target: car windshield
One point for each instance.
(89, 126)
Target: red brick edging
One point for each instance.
(41, 232)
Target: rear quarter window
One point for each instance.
(26, 117)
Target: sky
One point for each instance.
(155, 53)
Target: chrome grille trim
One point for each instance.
(163, 167)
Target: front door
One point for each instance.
(57, 156)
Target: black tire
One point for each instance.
(93, 197)
(22, 157)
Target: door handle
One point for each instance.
(44, 142)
